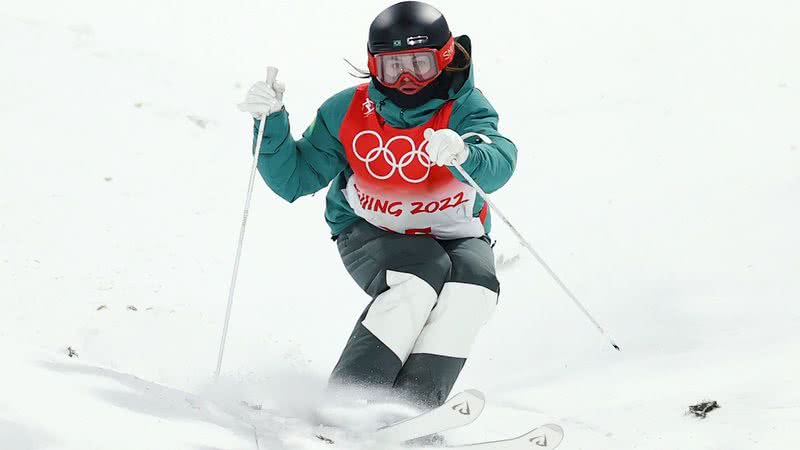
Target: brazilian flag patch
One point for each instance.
(398, 43)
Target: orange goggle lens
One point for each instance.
(422, 65)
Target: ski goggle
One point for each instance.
(422, 65)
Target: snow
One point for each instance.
(659, 175)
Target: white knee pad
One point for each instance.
(462, 309)
(397, 316)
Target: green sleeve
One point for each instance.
(490, 164)
(294, 168)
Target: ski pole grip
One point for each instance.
(272, 73)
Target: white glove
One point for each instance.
(445, 147)
(263, 99)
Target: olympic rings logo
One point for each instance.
(395, 165)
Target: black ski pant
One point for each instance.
(429, 299)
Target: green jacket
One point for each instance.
(294, 168)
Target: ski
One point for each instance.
(462, 409)
(545, 437)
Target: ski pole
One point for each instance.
(272, 73)
(535, 254)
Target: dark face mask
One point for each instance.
(438, 88)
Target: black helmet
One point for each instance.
(408, 25)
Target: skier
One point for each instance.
(410, 230)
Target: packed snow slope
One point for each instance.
(659, 174)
